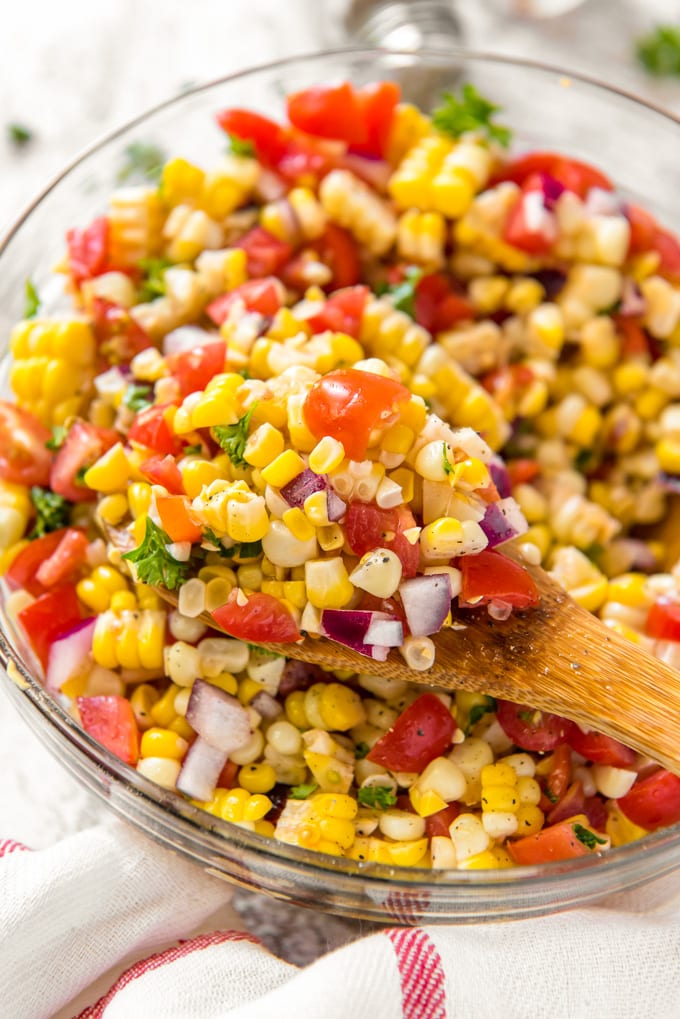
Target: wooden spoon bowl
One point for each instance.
(557, 657)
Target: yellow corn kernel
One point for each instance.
(294, 707)
(316, 509)
(524, 295)
(592, 595)
(502, 798)
(112, 508)
(163, 711)
(257, 778)
(257, 807)
(298, 524)
(97, 589)
(443, 538)
(337, 830)
(264, 445)
(283, 469)
(408, 854)
(331, 537)
(157, 742)
(408, 126)
(486, 860)
(123, 601)
(196, 474)
(295, 592)
(405, 478)
(181, 182)
(667, 451)
(620, 829)
(341, 707)
(397, 439)
(225, 681)
(413, 414)
(326, 456)
(328, 583)
(182, 728)
(530, 819)
(139, 499)
(630, 589)
(111, 472)
(630, 377)
(498, 774)
(247, 689)
(142, 699)
(425, 802)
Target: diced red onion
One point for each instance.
(302, 486)
(201, 769)
(427, 602)
(502, 521)
(552, 189)
(350, 626)
(375, 172)
(538, 218)
(632, 301)
(602, 203)
(500, 477)
(218, 717)
(266, 705)
(388, 632)
(335, 507)
(186, 338)
(69, 654)
(499, 610)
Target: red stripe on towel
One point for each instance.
(423, 985)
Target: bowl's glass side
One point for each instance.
(546, 109)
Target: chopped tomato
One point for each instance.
(268, 138)
(48, 617)
(570, 173)
(176, 520)
(557, 842)
(65, 562)
(643, 230)
(24, 568)
(654, 801)
(635, 340)
(151, 429)
(111, 720)
(560, 771)
(261, 295)
(263, 619)
(439, 823)
(329, 111)
(438, 303)
(492, 576)
(601, 749)
(422, 732)
(163, 470)
(523, 470)
(194, 368)
(266, 255)
(338, 250)
(119, 336)
(349, 405)
(668, 248)
(663, 620)
(24, 457)
(342, 312)
(531, 729)
(83, 445)
(367, 526)
(377, 103)
(228, 776)
(571, 802)
(530, 226)
(88, 250)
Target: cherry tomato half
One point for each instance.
(163, 470)
(151, 429)
(663, 621)
(328, 111)
(654, 801)
(83, 445)
(558, 842)
(24, 457)
(531, 729)
(572, 174)
(349, 404)
(262, 620)
(367, 526)
(22, 573)
(342, 312)
(48, 617)
(422, 732)
(601, 749)
(111, 720)
(88, 250)
(262, 295)
(492, 576)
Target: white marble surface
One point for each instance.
(74, 70)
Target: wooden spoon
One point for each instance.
(557, 657)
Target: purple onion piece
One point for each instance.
(266, 705)
(388, 632)
(350, 626)
(552, 281)
(552, 189)
(502, 521)
(500, 477)
(69, 653)
(427, 602)
(218, 717)
(201, 770)
(302, 486)
(335, 507)
(632, 301)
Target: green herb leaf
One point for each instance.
(378, 796)
(263, 652)
(659, 51)
(587, 837)
(136, 397)
(58, 437)
(233, 438)
(469, 112)
(241, 146)
(477, 712)
(32, 305)
(360, 750)
(448, 466)
(302, 792)
(192, 450)
(403, 294)
(80, 475)
(52, 511)
(19, 134)
(154, 563)
(153, 284)
(242, 550)
(142, 160)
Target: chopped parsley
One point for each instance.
(659, 51)
(403, 294)
(136, 397)
(378, 796)
(302, 792)
(233, 438)
(448, 466)
(142, 160)
(153, 284)
(263, 652)
(587, 837)
(240, 146)
(241, 550)
(19, 134)
(80, 474)
(192, 450)
(360, 750)
(477, 712)
(469, 112)
(154, 563)
(52, 511)
(32, 299)
(58, 438)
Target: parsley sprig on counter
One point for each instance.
(659, 50)
(469, 112)
(154, 563)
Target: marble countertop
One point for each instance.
(73, 71)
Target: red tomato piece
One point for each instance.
(377, 103)
(49, 616)
(328, 111)
(367, 526)
(262, 295)
(492, 576)
(571, 802)
(194, 368)
(523, 470)
(530, 226)
(643, 230)
(338, 250)
(175, 518)
(151, 429)
(531, 729)
(349, 404)
(558, 842)
(635, 341)
(111, 720)
(88, 250)
(266, 255)
(654, 801)
(663, 621)
(83, 445)
(668, 248)
(422, 732)
(342, 312)
(268, 137)
(24, 457)
(560, 773)
(119, 336)
(263, 619)
(601, 749)
(439, 823)
(65, 562)
(163, 470)
(438, 304)
(572, 174)
(24, 568)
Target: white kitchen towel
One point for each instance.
(93, 902)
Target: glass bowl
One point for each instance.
(636, 145)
